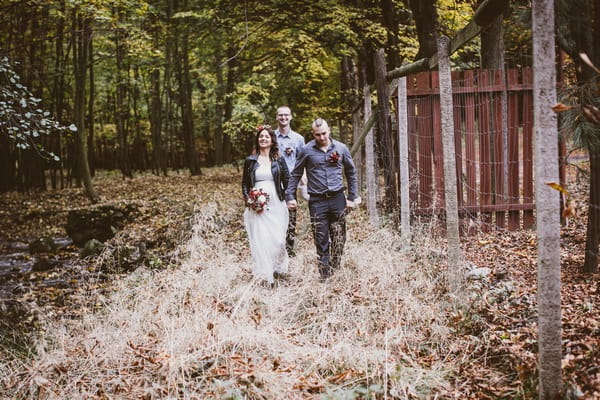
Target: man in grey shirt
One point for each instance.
(290, 143)
(326, 161)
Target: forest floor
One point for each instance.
(186, 320)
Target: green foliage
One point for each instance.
(21, 117)
(354, 393)
(256, 54)
(573, 124)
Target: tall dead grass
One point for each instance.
(207, 330)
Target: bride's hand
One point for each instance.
(292, 204)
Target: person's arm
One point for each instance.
(285, 173)
(350, 172)
(246, 179)
(290, 193)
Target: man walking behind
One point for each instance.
(290, 143)
(326, 161)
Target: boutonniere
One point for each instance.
(289, 150)
(334, 157)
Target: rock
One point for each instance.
(44, 244)
(91, 247)
(124, 258)
(479, 273)
(12, 310)
(44, 264)
(98, 222)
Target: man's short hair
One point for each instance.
(286, 107)
(320, 122)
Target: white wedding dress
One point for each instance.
(267, 229)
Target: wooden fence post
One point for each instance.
(403, 151)
(547, 200)
(447, 116)
(370, 170)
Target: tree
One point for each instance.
(81, 36)
(547, 201)
(22, 124)
(578, 26)
(425, 18)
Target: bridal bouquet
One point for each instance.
(257, 200)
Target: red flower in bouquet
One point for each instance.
(257, 200)
(334, 157)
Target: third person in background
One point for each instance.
(290, 143)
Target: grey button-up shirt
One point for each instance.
(289, 146)
(325, 170)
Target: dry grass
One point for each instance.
(206, 330)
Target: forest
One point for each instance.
(124, 266)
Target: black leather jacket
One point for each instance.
(279, 169)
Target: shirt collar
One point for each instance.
(278, 133)
(331, 144)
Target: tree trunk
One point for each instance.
(492, 57)
(155, 124)
(90, 115)
(547, 201)
(230, 87)
(139, 144)
(590, 264)
(7, 165)
(57, 105)
(582, 21)
(384, 129)
(391, 23)
(185, 102)
(425, 17)
(351, 102)
(219, 103)
(169, 97)
(492, 44)
(82, 36)
(121, 110)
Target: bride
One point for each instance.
(266, 225)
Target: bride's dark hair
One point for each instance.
(274, 152)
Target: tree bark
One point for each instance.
(425, 17)
(581, 19)
(547, 201)
(90, 115)
(81, 37)
(219, 104)
(58, 90)
(384, 129)
(590, 264)
(121, 109)
(230, 87)
(158, 163)
(390, 21)
(351, 102)
(185, 102)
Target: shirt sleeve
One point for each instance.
(290, 193)
(350, 172)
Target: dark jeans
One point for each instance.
(328, 222)
(290, 236)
